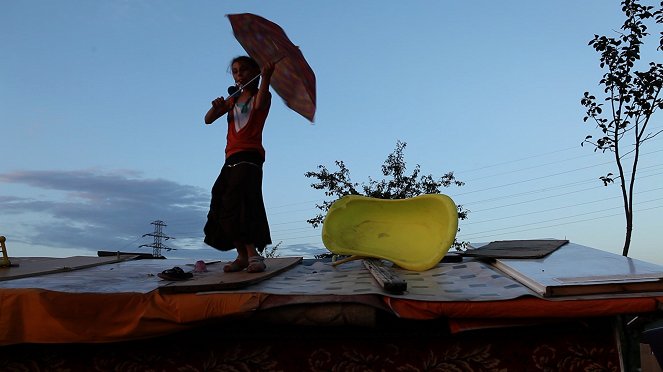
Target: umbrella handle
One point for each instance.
(242, 87)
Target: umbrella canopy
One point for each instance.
(265, 41)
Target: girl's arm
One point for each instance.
(263, 98)
(219, 108)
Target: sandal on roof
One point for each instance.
(256, 264)
(176, 273)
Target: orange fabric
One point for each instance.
(40, 316)
(528, 307)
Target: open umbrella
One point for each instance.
(293, 79)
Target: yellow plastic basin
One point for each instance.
(413, 233)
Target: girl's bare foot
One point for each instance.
(237, 265)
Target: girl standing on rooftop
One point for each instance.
(237, 217)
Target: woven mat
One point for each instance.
(468, 281)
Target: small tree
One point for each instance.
(398, 186)
(272, 252)
(631, 96)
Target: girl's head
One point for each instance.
(244, 69)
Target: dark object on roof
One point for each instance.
(516, 249)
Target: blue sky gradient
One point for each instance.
(102, 106)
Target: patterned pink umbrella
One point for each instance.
(293, 79)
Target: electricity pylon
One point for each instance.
(158, 235)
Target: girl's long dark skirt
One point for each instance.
(237, 211)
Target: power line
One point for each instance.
(496, 231)
(551, 209)
(286, 233)
(477, 237)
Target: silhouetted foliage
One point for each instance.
(396, 184)
(631, 99)
(272, 252)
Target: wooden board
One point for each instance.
(35, 266)
(139, 256)
(386, 278)
(217, 280)
(578, 270)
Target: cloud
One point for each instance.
(95, 210)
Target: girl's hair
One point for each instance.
(252, 64)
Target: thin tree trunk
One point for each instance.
(625, 196)
(629, 231)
